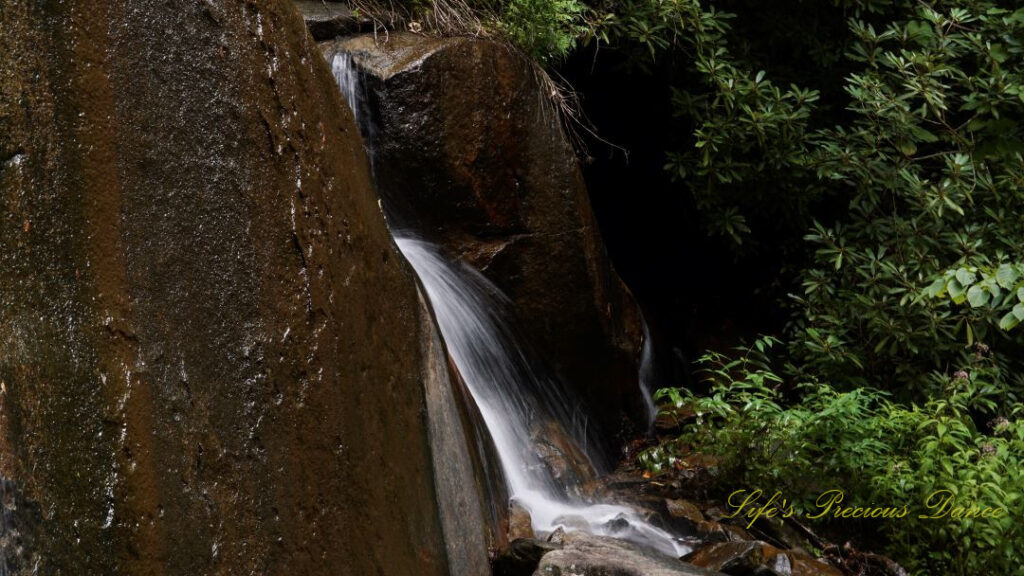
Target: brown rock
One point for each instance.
(470, 153)
(684, 512)
(326, 20)
(214, 358)
(522, 557)
(584, 554)
(779, 533)
(721, 532)
(520, 525)
(749, 558)
(561, 455)
(742, 559)
(805, 565)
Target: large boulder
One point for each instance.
(212, 358)
(469, 151)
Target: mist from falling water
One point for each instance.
(516, 402)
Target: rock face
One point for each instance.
(469, 152)
(470, 490)
(212, 357)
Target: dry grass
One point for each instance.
(437, 18)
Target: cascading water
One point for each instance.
(497, 373)
(647, 378)
(347, 78)
(522, 409)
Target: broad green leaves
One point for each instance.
(998, 291)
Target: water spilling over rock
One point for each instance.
(542, 440)
(470, 153)
(519, 408)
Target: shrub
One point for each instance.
(879, 452)
(545, 29)
(911, 169)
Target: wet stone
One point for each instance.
(756, 558)
(520, 525)
(684, 513)
(326, 20)
(588, 555)
(522, 557)
(712, 531)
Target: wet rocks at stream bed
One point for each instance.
(756, 558)
(768, 547)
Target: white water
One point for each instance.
(347, 77)
(647, 378)
(518, 405)
(498, 375)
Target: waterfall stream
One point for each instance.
(524, 411)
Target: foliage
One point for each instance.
(932, 166)
(875, 450)
(911, 170)
(995, 291)
(545, 29)
(749, 133)
(892, 153)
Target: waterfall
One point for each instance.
(347, 77)
(524, 410)
(647, 378)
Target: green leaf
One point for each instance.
(977, 296)
(1018, 311)
(1009, 322)
(965, 277)
(936, 288)
(923, 135)
(956, 291)
(1006, 276)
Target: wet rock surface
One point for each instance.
(519, 522)
(755, 558)
(211, 355)
(466, 138)
(718, 547)
(724, 542)
(522, 557)
(327, 20)
(587, 555)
